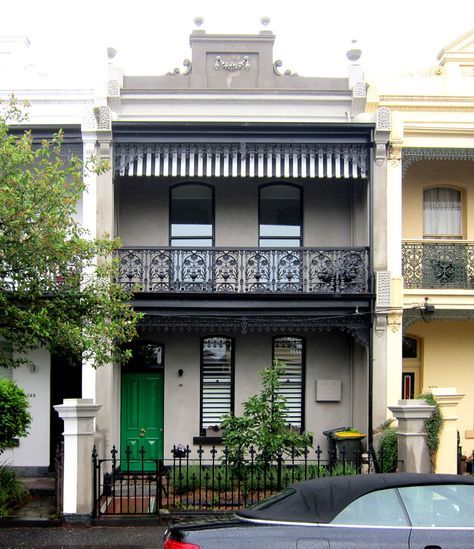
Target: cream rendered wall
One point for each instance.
(143, 212)
(33, 450)
(447, 361)
(425, 174)
(329, 355)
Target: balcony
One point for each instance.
(438, 265)
(244, 271)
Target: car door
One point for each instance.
(442, 516)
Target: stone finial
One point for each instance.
(265, 20)
(354, 53)
(198, 21)
(111, 53)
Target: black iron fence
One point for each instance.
(249, 270)
(209, 479)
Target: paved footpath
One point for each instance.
(94, 536)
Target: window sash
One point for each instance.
(217, 384)
(288, 351)
(442, 216)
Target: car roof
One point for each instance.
(320, 500)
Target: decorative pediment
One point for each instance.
(461, 51)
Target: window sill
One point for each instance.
(207, 441)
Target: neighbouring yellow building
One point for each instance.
(430, 181)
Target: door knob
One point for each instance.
(141, 432)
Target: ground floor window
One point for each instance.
(289, 352)
(217, 381)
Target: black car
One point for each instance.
(405, 510)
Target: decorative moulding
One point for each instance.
(232, 66)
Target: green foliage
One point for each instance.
(12, 490)
(388, 450)
(56, 282)
(263, 425)
(433, 426)
(184, 479)
(14, 416)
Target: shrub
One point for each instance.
(14, 416)
(12, 490)
(388, 451)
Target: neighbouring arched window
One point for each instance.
(289, 353)
(442, 213)
(280, 216)
(191, 215)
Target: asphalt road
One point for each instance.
(94, 536)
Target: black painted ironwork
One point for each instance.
(249, 270)
(128, 486)
(438, 265)
(210, 478)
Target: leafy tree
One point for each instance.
(263, 424)
(56, 283)
(14, 416)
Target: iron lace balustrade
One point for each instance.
(249, 270)
(438, 265)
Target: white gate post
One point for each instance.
(446, 458)
(78, 415)
(412, 449)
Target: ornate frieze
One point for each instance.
(358, 327)
(410, 155)
(412, 316)
(232, 66)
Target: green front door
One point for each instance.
(142, 418)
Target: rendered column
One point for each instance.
(446, 458)
(78, 416)
(412, 448)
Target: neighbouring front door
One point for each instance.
(142, 419)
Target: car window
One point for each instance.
(440, 505)
(380, 508)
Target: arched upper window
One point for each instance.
(192, 215)
(280, 216)
(442, 215)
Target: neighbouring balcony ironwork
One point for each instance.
(250, 270)
(438, 265)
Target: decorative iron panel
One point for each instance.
(438, 265)
(257, 270)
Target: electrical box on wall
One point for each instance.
(328, 390)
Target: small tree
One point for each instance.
(263, 424)
(14, 416)
(56, 282)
